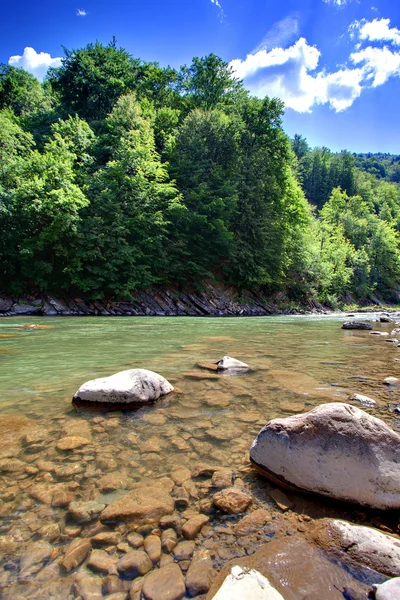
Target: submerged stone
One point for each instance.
(246, 584)
(229, 363)
(356, 325)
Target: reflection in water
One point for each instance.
(297, 364)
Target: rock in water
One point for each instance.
(335, 450)
(246, 584)
(356, 325)
(166, 583)
(232, 364)
(134, 386)
(390, 590)
(364, 400)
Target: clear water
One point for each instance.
(298, 362)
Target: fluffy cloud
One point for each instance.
(378, 30)
(81, 12)
(292, 73)
(339, 2)
(36, 63)
(289, 74)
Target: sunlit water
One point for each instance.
(297, 362)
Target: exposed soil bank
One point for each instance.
(214, 300)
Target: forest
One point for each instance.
(118, 175)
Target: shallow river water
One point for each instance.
(297, 362)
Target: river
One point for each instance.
(297, 363)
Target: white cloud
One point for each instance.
(379, 64)
(36, 63)
(378, 30)
(288, 74)
(81, 12)
(339, 3)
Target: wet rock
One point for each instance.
(385, 319)
(232, 500)
(193, 526)
(210, 366)
(134, 563)
(112, 482)
(61, 498)
(361, 544)
(36, 555)
(246, 584)
(49, 532)
(394, 381)
(135, 540)
(180, 474)
(152, 545)
(183, 551)
(389, 590)
(281, 500)
(356, 325)
(11, 465)
(83, 512)
(203, 470)
(72, 442)
(232, 364)
(166, 583)
(336, 450)
(200, 574)
(102, 562)
(222, 478)
(135, 592)
(137, 386)
(112, 584)
(253, 522)
(76, 554)
(171, 521)
(106, 538)
(145, 500)
(118, 596)
(169, 540)
(364, 400)
(87, 587)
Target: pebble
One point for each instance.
(166, 583)
(152, 545)
(200, 574)
(134, 563)
(184, 550)
(169, 540)
(102, 562)
(76, 554)
(192, 527)
(232, 500)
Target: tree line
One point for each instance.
(117, 175)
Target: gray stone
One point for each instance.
(137, 386)
(390, 590)
(356, 325)
(364, 400)
(335, 450)
(229, 363)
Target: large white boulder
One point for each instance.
(390, 590)
(336, 450)
(136, 386)
(246, 584)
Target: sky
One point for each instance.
(335, 63)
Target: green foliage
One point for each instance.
(117, 174)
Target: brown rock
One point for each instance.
(88, 588)
(232, 500)
(184, 550)
(252, 523)
(11, 465)
(171, 521)
(83, 512)
(152, 545)
(72, 442)
(61, 499)
(166, 583)
(135, 540)
(180, 474)
(35, 556)
(102, 562)
(282, 501)
(200, 574)
(169, 540)
(112, 482)
(222, 478)
(192, 527)
(146, 500)
(134, 563)
(106, 538)
(76, 554)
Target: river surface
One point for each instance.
(298, 363)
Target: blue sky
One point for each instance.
(335, 63)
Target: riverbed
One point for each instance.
(297, 363)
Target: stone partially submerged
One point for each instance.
(227, 363)
(356, 325)
(134, 386)
(246, 584)
(335, 450)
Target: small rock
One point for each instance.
(192, 527)
(222, 478)
(106, 538)
(102, 562)
(200, 574)
(365, 400)
(356, 325)
(76, 554)
(134, 563)
(183, 551)
(252, 523)
(152, 545)
(166, 583)
(169, 540)
(391, 381)
(83, 512)
(135, 540)
(229, 363)
(72, 442)
(281, 500)
(34, 558)
(180, 474)
(232, 500)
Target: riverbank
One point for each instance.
(212, 301)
